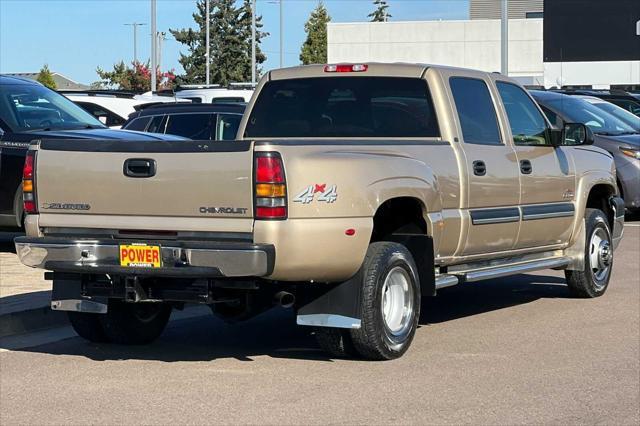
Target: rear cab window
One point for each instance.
(359, 107)
(476, 111)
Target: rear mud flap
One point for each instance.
(339, 306)
(67, 296)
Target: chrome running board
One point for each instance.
(497, 271)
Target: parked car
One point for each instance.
(613, 109)
(112, 107)
(31, 112)
(352, 191)
(193, 121)
(611, 134)
(618, 97)
(214, 93)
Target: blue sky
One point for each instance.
(76, 36)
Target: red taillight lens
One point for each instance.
(269, 170)
(27, 170)
(270, 187)
(28, 188)
(346, 68)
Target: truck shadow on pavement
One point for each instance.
(276, 335)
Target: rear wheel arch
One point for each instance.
(403, 220)
(399, 215)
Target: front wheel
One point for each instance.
(390, 302)
(598, 263)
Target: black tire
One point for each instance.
(374, 339)
(336, 342)
(88, 326)
(588, 283)
(134, 323)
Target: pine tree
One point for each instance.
(380, 14)
(230, 43)
(46, 78)
(314, 49)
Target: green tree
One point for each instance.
(136, 79)
(45, 77)
(230, 43)
(314, 48)
(380, 14)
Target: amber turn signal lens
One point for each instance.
(27, 186)
(270, 190)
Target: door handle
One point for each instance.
(525, 167)
(139, 167)
(479, 168)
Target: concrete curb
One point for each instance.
(21, 322)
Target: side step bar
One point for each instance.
(448, 280)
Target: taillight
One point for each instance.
(28, 187)
(270, 186)
(346, 68)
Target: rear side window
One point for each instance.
(102, 114)
(192, 126)
(344, 107)
(227, 126)
(139, 124)
(475, 110)
(157, 124)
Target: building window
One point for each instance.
(533, 15)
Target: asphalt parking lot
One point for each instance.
(507, 351)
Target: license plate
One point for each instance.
(140, 256)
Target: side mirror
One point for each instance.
(577, 134)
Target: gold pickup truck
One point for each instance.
(352, 191)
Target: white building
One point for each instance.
(475, 44)
(467, 44)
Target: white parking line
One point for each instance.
(636, 225)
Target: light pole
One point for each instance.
(253, 41)
(135, 26)
(208, 18)
(281, 37)
(154, 53)
(504, 39)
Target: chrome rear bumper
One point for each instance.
(179, 258)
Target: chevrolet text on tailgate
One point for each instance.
(352, 191)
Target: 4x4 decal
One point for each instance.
(327, 195)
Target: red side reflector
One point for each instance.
(346, 68)
(269, 170)
(271, 212)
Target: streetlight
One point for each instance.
(504, 39)
(253, 41)
(208, 43)
(154, 53)
(135, 26)
(281, 31)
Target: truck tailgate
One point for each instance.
(188, 185)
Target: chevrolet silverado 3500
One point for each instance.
(352, 190)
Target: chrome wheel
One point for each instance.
(397, 302)
(600, 256)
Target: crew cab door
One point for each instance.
(491, 184)
(547, 175)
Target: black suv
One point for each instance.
(30, 112)
(218, 121)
